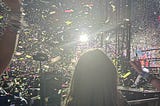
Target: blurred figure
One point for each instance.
(144, 72)
(10, 20)
(94, 82)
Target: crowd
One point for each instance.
(52, 28)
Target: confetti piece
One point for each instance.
(52, 12)
(56, 78)
(56, 59)
(90, 26)
(69, 11)
(44, 1)
(54, 6)
(21, 58)
(89, 6)
(61, 49)
(28, 56)
(68, 22)
(29, 39)
(126, 75)
(18, 53)
(107, 21)
(46, 66)
(113, 7)
(1, 17)
(59, 92)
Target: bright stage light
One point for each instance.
(84, 38)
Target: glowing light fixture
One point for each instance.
(84, 38)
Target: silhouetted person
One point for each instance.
(94, 82)
(8, 37)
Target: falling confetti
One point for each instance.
(53, 12)
(69, 11)
(28, 56)
(1, 17)
(68, 22)
(113, 7)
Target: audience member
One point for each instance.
(144, 72)
(94, 82)
(8, 37)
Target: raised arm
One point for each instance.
(8, 37)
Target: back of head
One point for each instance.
(94, 81)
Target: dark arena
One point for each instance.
(79, 53)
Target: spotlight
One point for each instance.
(83, 38)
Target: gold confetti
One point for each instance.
(68, 22)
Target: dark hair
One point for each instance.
(94, 81)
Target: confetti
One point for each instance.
(1, 17)
(53, 12)
(28, 56)
(69, 11)
(113, 7)
(52, 26)
(68, 22)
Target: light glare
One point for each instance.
(84, 38)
